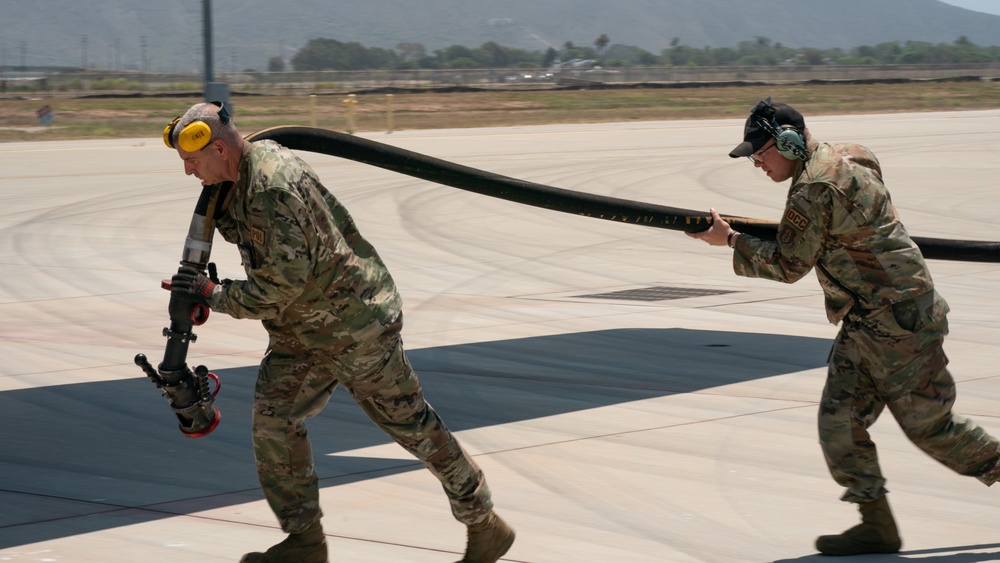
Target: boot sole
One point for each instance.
(501, 550)
(860, 550)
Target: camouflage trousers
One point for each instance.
(294, 383)
(895, 359)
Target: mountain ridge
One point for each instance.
(167, 36)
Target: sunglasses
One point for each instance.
(759, 155)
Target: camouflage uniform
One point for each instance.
(839, 219)
(333, 315)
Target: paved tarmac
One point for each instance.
(610, 429)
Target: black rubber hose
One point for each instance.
(411, 163)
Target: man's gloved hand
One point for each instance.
(192, 283)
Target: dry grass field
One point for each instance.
(139, 117)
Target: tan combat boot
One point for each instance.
(309, 546)
(488, 540)
(875, 534)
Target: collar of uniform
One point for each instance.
(229, 189)
(801, 165)
(243, 174)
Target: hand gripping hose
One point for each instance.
(469, 179)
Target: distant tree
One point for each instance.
(645, 58)
(523, 58)
(324, 54)
(330, 54)
(412, 51)
(601, 43)
(913, 57)
(571, 51)
(550, 56)
(678, 55)
(965, 51)
(455, 52)
(429, 61)
(626, 55)
(704, 57)
(493, 55)
(833, 55)
(887, 53)
(276, 64)
(865, 52)
(851, 60)
(761, 51)
(320, 54)
(725, 56)
(462, 62)
(811, 57)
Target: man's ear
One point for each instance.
(221, 147)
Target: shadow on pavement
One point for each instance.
(107, 447)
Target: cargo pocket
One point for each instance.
(908, 316)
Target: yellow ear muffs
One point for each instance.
(168, 131)
(194, 137)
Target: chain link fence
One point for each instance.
(63, 82)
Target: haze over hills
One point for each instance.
(167, 36)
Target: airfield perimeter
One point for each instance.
(610, 429)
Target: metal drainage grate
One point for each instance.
(656, 293)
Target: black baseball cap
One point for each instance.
(764, 124)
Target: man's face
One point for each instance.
(777, 167)
(208, 164)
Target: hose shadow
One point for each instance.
(95, 449)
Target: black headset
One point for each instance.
(789, 141)
(196, 135)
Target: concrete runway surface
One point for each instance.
(611, 430)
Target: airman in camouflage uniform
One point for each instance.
(839, 220)
(333, 316)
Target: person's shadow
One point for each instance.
(915, 555)
(95, 448)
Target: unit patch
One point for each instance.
(796, 219)
(257, 236)
(787, 235)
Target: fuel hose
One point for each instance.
(343, 145)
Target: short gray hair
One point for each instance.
(209, 114)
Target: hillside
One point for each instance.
(167, 36)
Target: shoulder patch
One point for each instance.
(787, 235)
(796, 219)
(257, 236)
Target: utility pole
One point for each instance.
(214, 91)
(206, 19)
